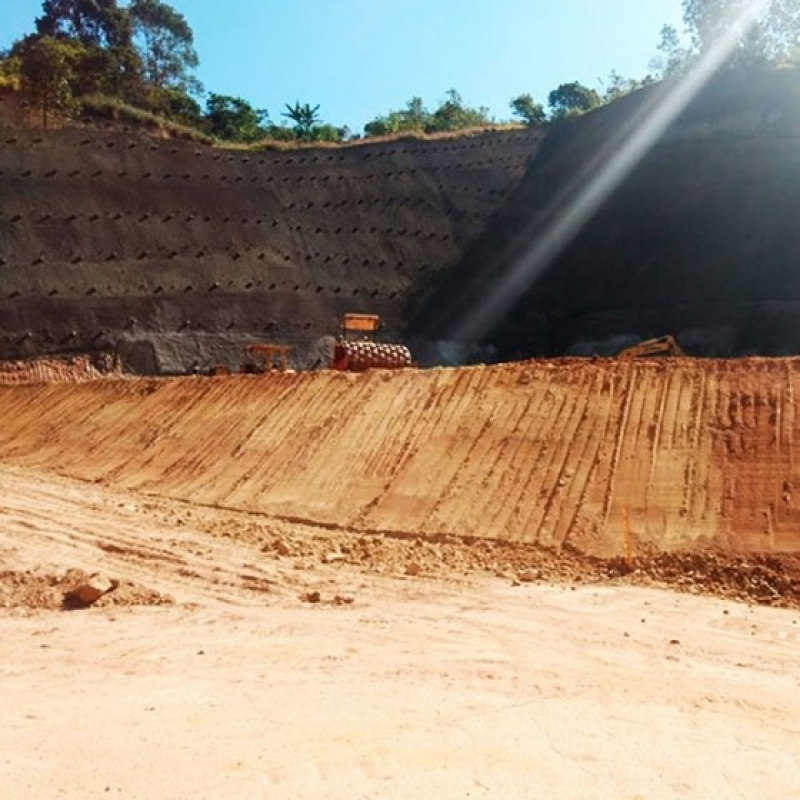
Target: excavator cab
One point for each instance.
(362, 325)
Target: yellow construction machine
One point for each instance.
(660, 346)
(259, 358)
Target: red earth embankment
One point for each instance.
(555, 453)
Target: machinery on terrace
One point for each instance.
(660, 346)
(259, 358)
(358, 354)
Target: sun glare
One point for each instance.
(585, 194)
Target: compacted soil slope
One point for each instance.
(555, 453)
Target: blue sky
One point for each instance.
(359, 58)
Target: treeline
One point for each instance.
(139, 60)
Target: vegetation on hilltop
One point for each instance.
(137, 62)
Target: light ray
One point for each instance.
(577, 203)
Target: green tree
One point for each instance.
(773, 38)
(174, 104)
(672, 55)
(98, 23)
(571, 99)
(617, 86)
(328, 133)
(234, 119)
(453, 115)
(165, 43)
(110, 63)
(528, 110)
(414, 118)
(305, 119)
(47, 73)
(10, 70)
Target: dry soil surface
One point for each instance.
(404, 584)
(251, 658)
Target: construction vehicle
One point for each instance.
(355, 349)
(260, 358)
(660, 346)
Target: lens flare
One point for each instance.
(585, 194)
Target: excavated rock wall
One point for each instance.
(700, 240)
(110, 239)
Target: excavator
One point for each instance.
(660, 346)
(355, 350)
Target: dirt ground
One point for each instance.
(228, 668)
(270, 635)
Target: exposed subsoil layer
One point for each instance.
(605, 456)
(265, 638)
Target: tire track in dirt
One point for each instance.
(53, 521)
(697, 452)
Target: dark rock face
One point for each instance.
(700, 239)
(110, 239)
(479, 248)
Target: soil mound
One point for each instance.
(598, 456)
(39, 590)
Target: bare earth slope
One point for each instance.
(556, 453)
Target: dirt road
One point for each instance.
(391, 585)
(390, 686)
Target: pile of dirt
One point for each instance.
(771, 579)
(75, 369)
(38, 590)
(764, 578)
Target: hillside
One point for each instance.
(700, 240)
(176, 252)
(697, 453)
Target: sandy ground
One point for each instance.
(452, 685)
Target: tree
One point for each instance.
(110, 64)
(95, 23)
(618, 86)
(529, 111)
(305, 119)
(571, 99)
(47, 72)
(771, 39)
(453, 115)
(414, 118)
(234, 119)
(165, 45)
(10, 70)
(673, 56)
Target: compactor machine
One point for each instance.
(355, 349)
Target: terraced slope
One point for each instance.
(172, 252)
(695, 452)
(700, 239)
